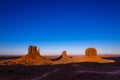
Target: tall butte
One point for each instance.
(32, 58)
(91, 56)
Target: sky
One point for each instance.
(57, 25)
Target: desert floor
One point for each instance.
(73, 71)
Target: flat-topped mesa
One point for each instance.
(90, 52)
(91, 56)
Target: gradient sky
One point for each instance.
(56, 25)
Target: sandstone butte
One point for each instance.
(91, 56)
(62, 59)
(33, 57)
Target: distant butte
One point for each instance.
(91, 56)
(63, 56)
(33, 57)
(62, 59)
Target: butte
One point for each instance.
(91, 56)
(62, 59)
(33, 57)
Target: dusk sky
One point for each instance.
(57, 25)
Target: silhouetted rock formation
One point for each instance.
(91, 56)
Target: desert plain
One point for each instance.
(34, 66)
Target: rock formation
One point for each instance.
(62, 59)
(63, 56)
(32, 58)
(91, 56)
(90, 52)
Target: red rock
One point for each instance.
(32, 58)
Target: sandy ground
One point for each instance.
(73, 71)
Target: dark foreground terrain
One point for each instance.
(73, 71)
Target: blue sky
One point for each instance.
(56, 25)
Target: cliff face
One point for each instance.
(90, 52)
